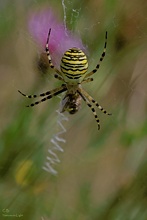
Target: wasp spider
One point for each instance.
(73, 73)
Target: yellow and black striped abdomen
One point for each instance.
(74, 64)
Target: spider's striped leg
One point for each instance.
(58, 77)
(36, 96)
(52, 93)
(48, 54)
(93, 101)
(101, 59)
(87, 80)
(91, 107)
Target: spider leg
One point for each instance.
(101, 59)
(58, 77)
(48, 54)
(93, 101)
(87, 80)
(90, 106)
(51, 93)
(36, 96)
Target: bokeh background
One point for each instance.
(102, 174)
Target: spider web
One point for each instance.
(52, 159)
(68, 8)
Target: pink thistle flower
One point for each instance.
(60, 39)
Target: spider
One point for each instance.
(73, 73)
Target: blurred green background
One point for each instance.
(102, 174)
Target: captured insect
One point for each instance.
(73, 73)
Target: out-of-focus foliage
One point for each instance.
(102, 174)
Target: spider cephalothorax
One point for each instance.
(73, 73)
